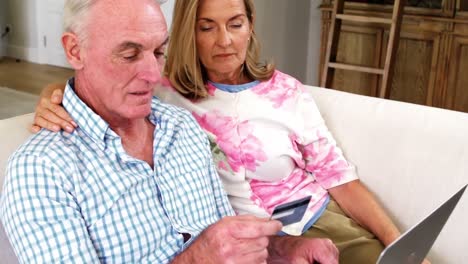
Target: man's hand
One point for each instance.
(236, 239)
(299, 250)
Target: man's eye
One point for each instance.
(159, 54)
(130, 57)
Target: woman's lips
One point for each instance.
(224, 55)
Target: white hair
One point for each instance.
(75, 12)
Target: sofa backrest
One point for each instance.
(411, 157)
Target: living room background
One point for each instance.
(289, 32)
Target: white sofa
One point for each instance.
(412, 157)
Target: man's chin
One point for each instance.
(138, 112)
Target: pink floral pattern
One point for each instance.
(325, 161)
(298, 149)
(235, 139)
(280, 88)
(211, 89)
(272, 155)
(270, 194)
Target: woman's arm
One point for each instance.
(325, 160)
(358, 203)
(49, 113)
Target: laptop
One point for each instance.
(413, 246)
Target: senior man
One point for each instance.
(135, 181)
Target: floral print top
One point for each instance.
(270, 145)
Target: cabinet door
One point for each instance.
(360, 46)
(462, 6)
(457, 90)
(433, 4)
(462, 9)
(443, 8)
(415, 67)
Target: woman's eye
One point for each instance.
(204, 29)
(236, 25)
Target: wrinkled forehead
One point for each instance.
(112, 18)
(122, 13)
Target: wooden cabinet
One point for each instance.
(457, 90)
(415, 74)
(432, 59)
(462, 6)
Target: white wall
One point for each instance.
(313, 43)
(288, 30)
(23, 40)
(167, 9)
(3, 7)
(290, 34)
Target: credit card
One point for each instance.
(291, 212)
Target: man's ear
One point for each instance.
(72, 48)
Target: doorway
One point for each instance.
(3, 33)
(50, 28)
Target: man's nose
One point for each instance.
(150, 69)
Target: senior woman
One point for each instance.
(268, 138)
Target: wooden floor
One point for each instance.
(30, 77)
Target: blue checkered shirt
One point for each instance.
(80, 198)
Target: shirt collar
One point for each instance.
(234, 88)
(88, 121)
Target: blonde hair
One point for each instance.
(183, 67)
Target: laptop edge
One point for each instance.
(413, 245)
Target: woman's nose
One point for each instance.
(223, 38)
